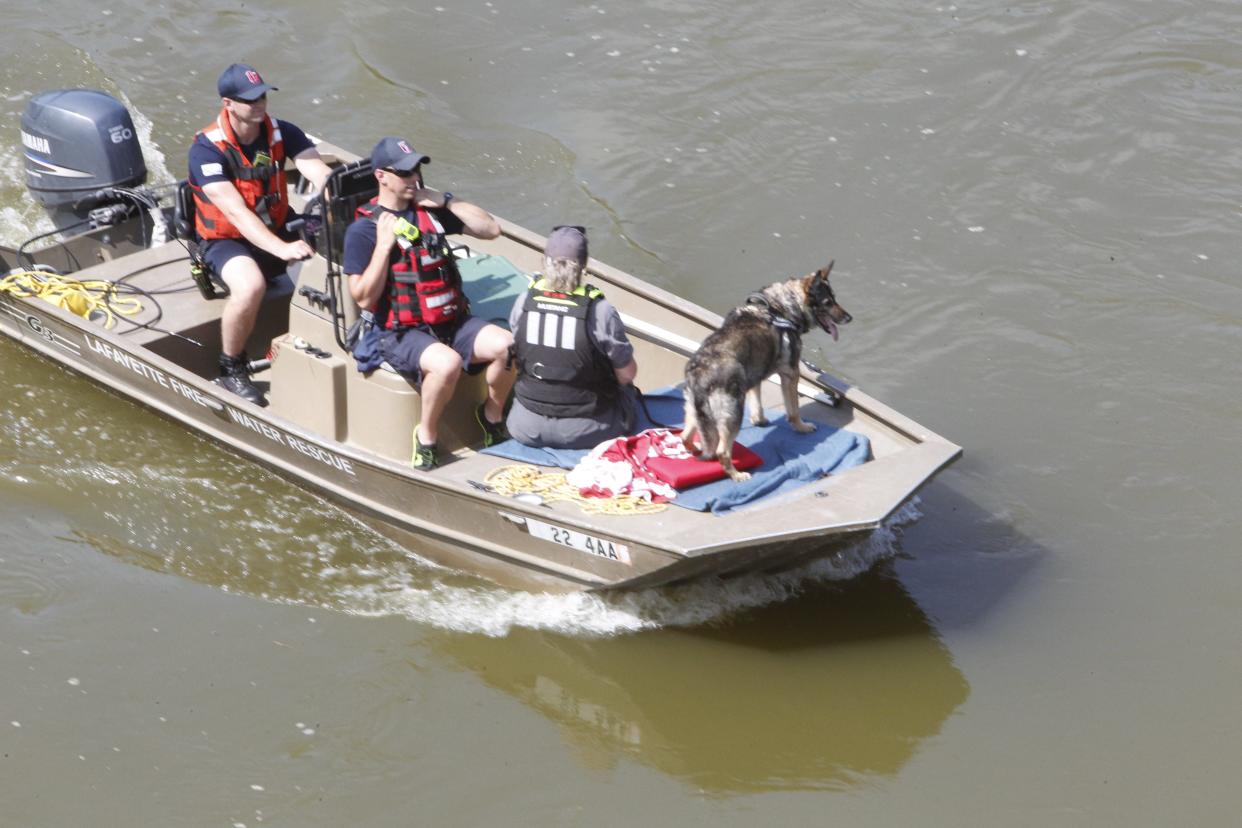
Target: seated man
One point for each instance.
(575, 363)
(400, 268)
(237, 177)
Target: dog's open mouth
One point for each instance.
(831, 328)
(830, 321)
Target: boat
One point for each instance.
(347, 435)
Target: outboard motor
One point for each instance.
(79, 143)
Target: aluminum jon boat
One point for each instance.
(347, 435)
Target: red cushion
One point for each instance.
(691, 471)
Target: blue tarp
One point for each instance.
(790, 459)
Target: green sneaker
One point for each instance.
(425, 457)
(493, 433)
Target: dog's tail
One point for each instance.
(690, 428)
(700, 423)
(711, 417)
(720, 420)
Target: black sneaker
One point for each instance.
(425, 458)
(493, 433)
(235, 377)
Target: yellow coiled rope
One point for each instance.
(90, 299)
(551, 486)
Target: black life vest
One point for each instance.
(424, 285)
(561, 372)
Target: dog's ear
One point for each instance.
(823, 272)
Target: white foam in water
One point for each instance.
(494, 611)
(18, 223)
(156, 161)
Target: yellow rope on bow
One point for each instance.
(86, 299)
(551, 486)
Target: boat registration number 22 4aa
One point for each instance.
(574, 540)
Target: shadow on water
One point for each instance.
(965, 564)
(825, 691)
(834, 688)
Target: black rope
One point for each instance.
(23, 256)
(642, 401)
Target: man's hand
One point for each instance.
(368, 286)
(428, 198)
(296, 250)
(385, 238)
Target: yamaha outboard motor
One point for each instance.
(79, 143)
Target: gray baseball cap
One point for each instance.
(567, 242)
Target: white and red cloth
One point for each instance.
(652, 464)
(619, 466)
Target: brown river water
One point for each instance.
(1035, 210)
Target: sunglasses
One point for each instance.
(577, 227)
(400, 174)
(262, 97)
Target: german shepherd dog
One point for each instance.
(760, 337)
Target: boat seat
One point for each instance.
(183, 211)
(316, 383)
(347, 187)
(184, 229)
(321, 389)
(383, 407)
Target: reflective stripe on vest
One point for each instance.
(557, 331)
(561, 372)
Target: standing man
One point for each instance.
(401, 269)
(237, 176)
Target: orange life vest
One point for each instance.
(262, 186)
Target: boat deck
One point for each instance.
(174, 319)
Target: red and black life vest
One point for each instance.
(262, 186)
(561, 371)
(424, 285)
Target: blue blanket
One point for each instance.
(790, 459)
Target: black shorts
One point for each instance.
(402, 349)
(218, 252)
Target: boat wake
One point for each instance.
(483, 609)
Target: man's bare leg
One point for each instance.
(246, 288)
(241, 309)
(440, 366)
(491, 345)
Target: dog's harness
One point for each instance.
(789, 330)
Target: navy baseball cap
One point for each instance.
(242, 83)
(396, 154)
